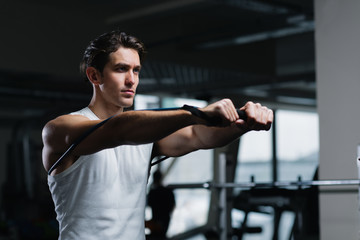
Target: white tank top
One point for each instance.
(103, 195)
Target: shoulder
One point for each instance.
(58, 134)
(58, 125)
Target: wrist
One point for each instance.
(205, 119)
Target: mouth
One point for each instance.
(128, 91)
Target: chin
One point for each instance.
(127, 104)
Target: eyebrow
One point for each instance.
(126, 65)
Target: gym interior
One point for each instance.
(301, 58)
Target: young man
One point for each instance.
(99, 188)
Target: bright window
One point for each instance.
(255, 157)
(297, 135)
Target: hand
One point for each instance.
(224, 110)
(258, 117)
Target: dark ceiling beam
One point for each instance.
(304, 6)
(257, 6)
(151, 10)
(299, 28)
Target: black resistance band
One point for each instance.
(212, 121)
(77, 141)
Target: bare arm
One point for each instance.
(134, 127)
(169, 129)
(197, 137)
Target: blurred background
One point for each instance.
(199, 51)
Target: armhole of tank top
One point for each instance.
(72, 168)
(69, 170)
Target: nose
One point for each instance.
(130, 78)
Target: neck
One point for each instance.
(104, 110)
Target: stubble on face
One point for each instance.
(121, 77)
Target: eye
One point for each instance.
(121, 69)
(136, 70)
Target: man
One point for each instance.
(99, 188)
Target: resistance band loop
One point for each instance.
(212, 121)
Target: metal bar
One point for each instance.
(209, 185)
(190, 233)
(190, 185)
(274, 150)
(222, 197)
(28, 167)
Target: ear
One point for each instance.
(93, 75)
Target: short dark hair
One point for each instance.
(97, 53)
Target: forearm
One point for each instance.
(138, 127)
(212, 137)
(196, 137)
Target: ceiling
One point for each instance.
(249, 50)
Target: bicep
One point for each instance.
(59, 134)
(73, 133)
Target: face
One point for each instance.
(120, 78)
